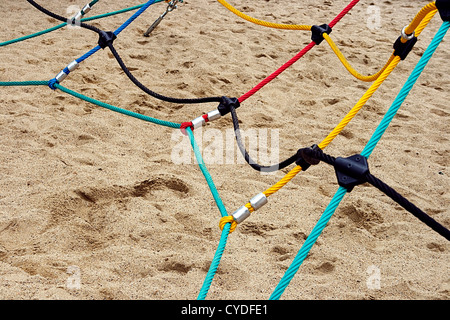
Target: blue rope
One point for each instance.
(226, 230)
(331, 208)
(97, 48)
(133, 17)
(88, 54)
(119, 30)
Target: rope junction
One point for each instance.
(350, 172)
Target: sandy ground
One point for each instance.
(93, 205)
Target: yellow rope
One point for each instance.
(264, 23)
(418, 19)
(359, 104)
(425, 22)
(385, 72)
(225, 220)
(418, 24)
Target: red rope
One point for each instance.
(277, 73)
(343, 13)
(186, 125)
(297, 57)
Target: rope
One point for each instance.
(23, 83)
(134, 17)
(296, 58)
(349, 67)
(339, 195)
(65, 23)
(226, 230)
(346, 120)
(425, 11)
(409, 206)
(247, 157)
(214, 264)
(227, 224)
(422, 19)
(154, 94)
(374, 87)
(120, 29)
(405, 91)
(389, 191)
(119, 110)
(262, 22)
(63, 19)
(352, 113)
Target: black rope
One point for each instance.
(247, 157)
(61, 18)
(410, 207)
(390, 192)
(154, 94)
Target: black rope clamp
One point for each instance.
(318, 31)
(306, 158)
(106, 38)
(224, 106)
(351, 171)
(403, 49)
(443, 7)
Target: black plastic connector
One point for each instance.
(304, 159)
(224, 106)
(351, 171)
(106, 38)
(443, 7)
(403, 49)
(318, 31)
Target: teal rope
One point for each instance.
(2, 44)
(23, 83)
(215, 263)
(119, 110)
(331, 208)
(312, 238)
(226, 230)
(93, 2)
(205, 172)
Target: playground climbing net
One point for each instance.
(350, 172)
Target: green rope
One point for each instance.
(23, 83)
(226, 230)
(93, 2)
(119, 110)
(205, 172)
(341, 192)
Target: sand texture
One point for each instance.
(93, 196)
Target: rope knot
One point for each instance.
(225, 106)
(318, 31)
(307, 157)
(186, 125)
(228, 219)
(106, 38)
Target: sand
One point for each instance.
(93, 204)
